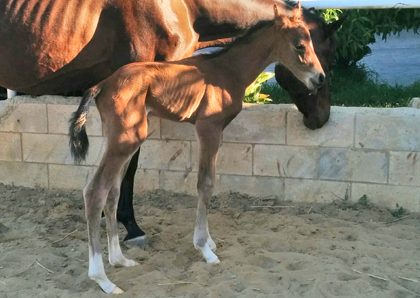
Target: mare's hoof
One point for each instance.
(117, 291)
(138, 241)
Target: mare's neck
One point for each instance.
(244, 61)
(214, 19)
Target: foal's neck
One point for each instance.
(244, 61)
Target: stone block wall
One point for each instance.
(266, 151)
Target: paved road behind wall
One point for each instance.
(397, 60)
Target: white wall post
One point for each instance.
(360, 4)
(11, 93)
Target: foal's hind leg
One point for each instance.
(209, 140)
(115, 255)
(95, 194)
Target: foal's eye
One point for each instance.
(300, 47)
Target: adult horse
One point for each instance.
(56, 46)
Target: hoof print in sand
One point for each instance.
(3, 229)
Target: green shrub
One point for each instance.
(363, 200)
(356, 86)
(398, 212)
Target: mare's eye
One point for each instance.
(300, 47)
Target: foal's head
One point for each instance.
(294, 49)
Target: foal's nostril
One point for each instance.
(321, 79)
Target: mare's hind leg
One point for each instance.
(208, 136)
(115, 255)
(125, 211)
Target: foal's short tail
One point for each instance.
(79, 142)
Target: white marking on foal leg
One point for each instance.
(210, 241)
(200, 236)
(208, 254)
(97, 273)
(116, 257)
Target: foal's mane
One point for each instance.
(241, 39)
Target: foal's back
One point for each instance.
(171, 90)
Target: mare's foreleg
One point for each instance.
(125, 211)
(208, 136)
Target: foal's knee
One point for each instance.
(110, 210)
(205, 186)
(112, 201)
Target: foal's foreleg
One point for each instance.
(209, 140)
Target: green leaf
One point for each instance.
(264, 77)
(252, 93)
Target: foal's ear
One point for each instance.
(276, 11)
(278, 19)
(297, 13)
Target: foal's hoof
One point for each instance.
(117, 291)
(138, 241)
(217, 261)
(123, 262)
(212, 245)
(208, 254)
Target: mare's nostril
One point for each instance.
(321, 78)
(318, 81)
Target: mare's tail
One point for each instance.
(79, 142)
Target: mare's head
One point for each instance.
(294, 49)
(315, 107)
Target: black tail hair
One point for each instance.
(78, 139)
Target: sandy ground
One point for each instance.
(311, 250)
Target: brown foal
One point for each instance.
(205, 90)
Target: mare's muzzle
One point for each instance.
(315, 121)
(318, 81)
(315, 82)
